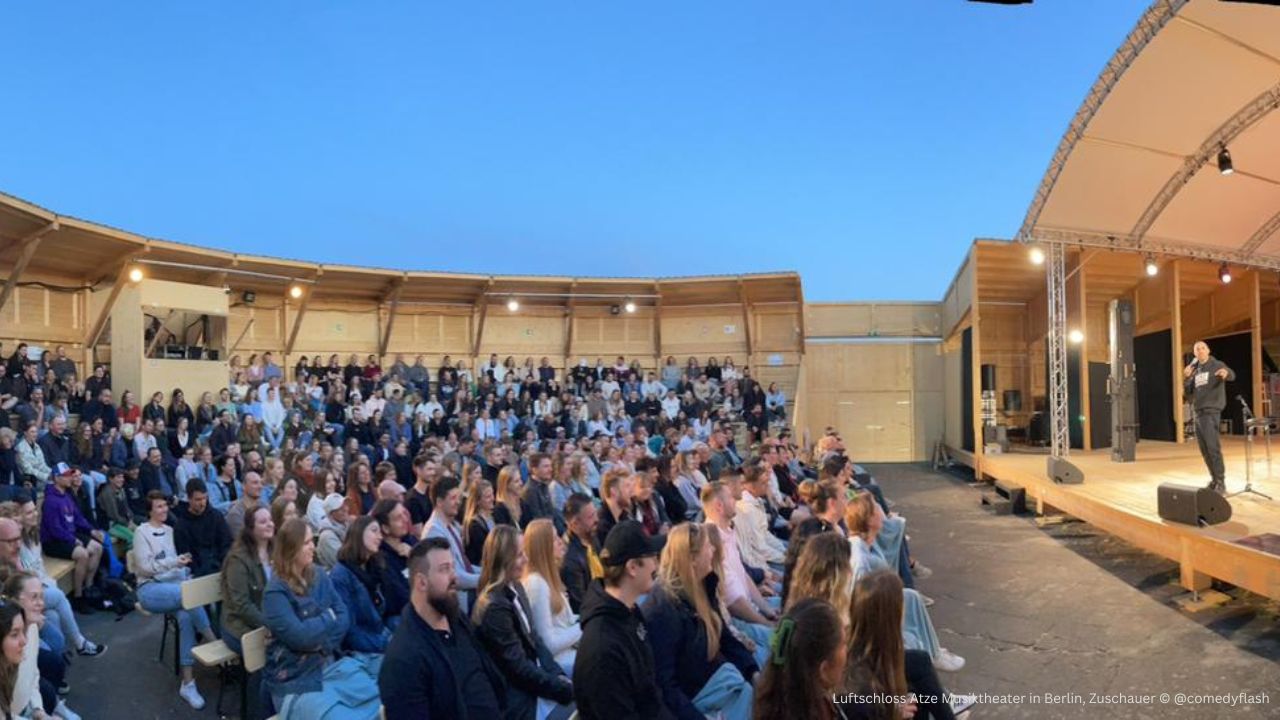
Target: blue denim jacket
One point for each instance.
(305, 635)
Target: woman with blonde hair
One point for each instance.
(507, 492)
(537, 687)
(553, 620)
(477, 520)
(823, 571)
(702, 668)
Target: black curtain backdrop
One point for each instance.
(966, 389)
(1099, 405)
(1153, 363)
(1237, 352)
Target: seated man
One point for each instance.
(201, 531)
(65, 533)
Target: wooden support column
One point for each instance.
(26, 250)
(393, 295)
(1175, 319)
(155, 339)
(657, 329)
(100, 324)
(803, 332)
(975, 323)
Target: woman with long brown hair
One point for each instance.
(357, 578)
(864, 518)
(529, 668)
(823, 572)
(808, 665)
(875, 654)
(308, 621)
(360, 489)
(477, 520)
(702, 669)
(553, 620)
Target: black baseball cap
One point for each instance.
(628, 541)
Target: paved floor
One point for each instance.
(1059, 610)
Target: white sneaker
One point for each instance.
(928, 601)
(189, 693)
(948, 661)
(920, 571)
(64, 712)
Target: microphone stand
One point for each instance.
(1252, 425)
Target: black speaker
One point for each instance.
(1191, 505)
(988, 377)
(1061, 471)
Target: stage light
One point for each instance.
(1036, 254)
(1224, 274)
(1152, 268)
(1224, 162)
(1076, 337)
(513, 304)
(295, 292)
(630, 305)
(135, 274)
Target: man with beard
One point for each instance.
(433, 666)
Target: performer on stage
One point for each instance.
(1206, 379)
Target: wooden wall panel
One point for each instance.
(697, 332)
(959, 296)
(437, 333)
(601, 335)
(776, 329)
(873, 320)
(340, 331)
(523, 332)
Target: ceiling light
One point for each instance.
(1076, 337)
(295, 292)
(630, 306)
(1036, 254)
(1224, 274)
(135, 274)
(1152, 268)
(1224, 162)
(513, 304)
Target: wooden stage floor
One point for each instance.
(1120, 498)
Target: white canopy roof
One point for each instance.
(1137, 168)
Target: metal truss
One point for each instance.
(1151, 22)
(1055, 280)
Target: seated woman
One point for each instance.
(702, 668)
(307, 621)
(537, 687)
(810, 665)
(877, 660)
(161, 571)
(553, 620)
(357, 578)
(244, 577)
(49, 672)
(478, 520)
(398, 540)
(864, 518)
(20, 693)
(823, 571)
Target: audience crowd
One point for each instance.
(510, 541)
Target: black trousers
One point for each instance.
(1207, 423)
(923, 680)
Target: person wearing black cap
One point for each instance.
(613, 675)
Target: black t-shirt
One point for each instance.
(419, 506)
(480, 698)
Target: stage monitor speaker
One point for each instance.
(988, 377)
(1061, 471)
(195, 352)
(1191, 505)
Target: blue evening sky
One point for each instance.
(863, 144)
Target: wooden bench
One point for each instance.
(61, 572)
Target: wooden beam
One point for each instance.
(483, 302)
(803, 331)
(394, 296)
(746, 318)
(569, 317)
(26, 250)
(975, 372)
(239, 338)
(155, 339)
(297, 319)
(100, 324)
(657, 326)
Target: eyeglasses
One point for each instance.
(11, 540)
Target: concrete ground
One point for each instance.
(1060, 610)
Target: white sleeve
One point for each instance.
(557, 639)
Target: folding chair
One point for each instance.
(201, 592)
(170, 620)
(254, 646)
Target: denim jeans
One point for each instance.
(726, 693)
(60, 619)
(162, 597)
(761, 635)
(272, 436)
